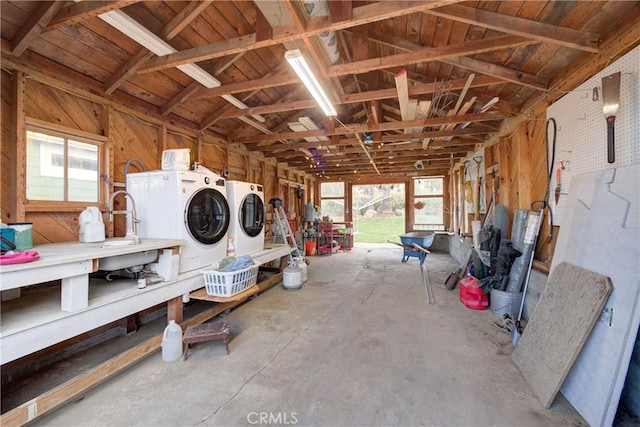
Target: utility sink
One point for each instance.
(118, 242)
(119, 262)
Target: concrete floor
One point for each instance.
(357, 345)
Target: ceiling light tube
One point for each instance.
(300, 66)
(133, 29)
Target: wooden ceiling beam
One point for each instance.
(81, 11)
(194, 86)
(546, 33)
(624, 37)
(170, 31)
(340, 10)
(353, 98)
(507, 74)
(34, 26)
(431, 54)
(386, 126)
(497, 71)
(385, 139)
(282, 79)
(360, 15)
(213, 118)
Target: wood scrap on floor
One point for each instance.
(560, 325)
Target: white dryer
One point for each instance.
(246, 201)
(189, 205)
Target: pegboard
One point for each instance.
(581, 140)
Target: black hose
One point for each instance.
(545, 202)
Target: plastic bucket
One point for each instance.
(505, 302)
(9, 234)
(22, 238)
(310, 248)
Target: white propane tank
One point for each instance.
(302, 264)
(172, 342)
(292, 277)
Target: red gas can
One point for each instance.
(471, 295)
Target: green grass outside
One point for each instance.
(378, 230)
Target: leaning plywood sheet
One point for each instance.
(559, 327)
(603, 235)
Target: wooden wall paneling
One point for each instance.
(56, 106)
(6, 145)
(461, 192)
(197, 149)
(213, 156)
(18, 147)
(247, 165)
(236, 165)
(162, 144)
(409, 217)
(523, 163)
(109, 162)
(504, 177)
(270, 181)
(511, 154)
(175, 140)
(133, 138)
(536, 129)
(447, 205)
(52, 227)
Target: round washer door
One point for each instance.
(207, 216)
(252, 215)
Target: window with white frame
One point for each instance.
(62, 167)
(332, 200)
(428, 203)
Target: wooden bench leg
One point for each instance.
(226, 343)
(186, 352)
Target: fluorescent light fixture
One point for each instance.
(131, 28)
(300, 66)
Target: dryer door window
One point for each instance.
(252, 215)
(207, 216)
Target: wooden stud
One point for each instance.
(174, 309)
(18, 147)
(523, 167)
(162, 144)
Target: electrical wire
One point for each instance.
(544, 204)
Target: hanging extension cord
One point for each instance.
(544, 204)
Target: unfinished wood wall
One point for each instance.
(129, 136)
(519, 165)
(5, 161)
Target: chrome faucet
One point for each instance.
(132, 232)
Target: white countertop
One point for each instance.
(66, 252)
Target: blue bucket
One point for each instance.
(8, 234)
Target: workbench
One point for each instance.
(36, 321)
(71, 262)
(21, 338)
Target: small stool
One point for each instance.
(206, 332)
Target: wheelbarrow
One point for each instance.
(415, 244)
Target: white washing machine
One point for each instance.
(189, 205)
(246, 201)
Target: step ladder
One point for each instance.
(282, 232)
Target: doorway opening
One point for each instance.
(378, 212)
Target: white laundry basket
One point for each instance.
(227, 284)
